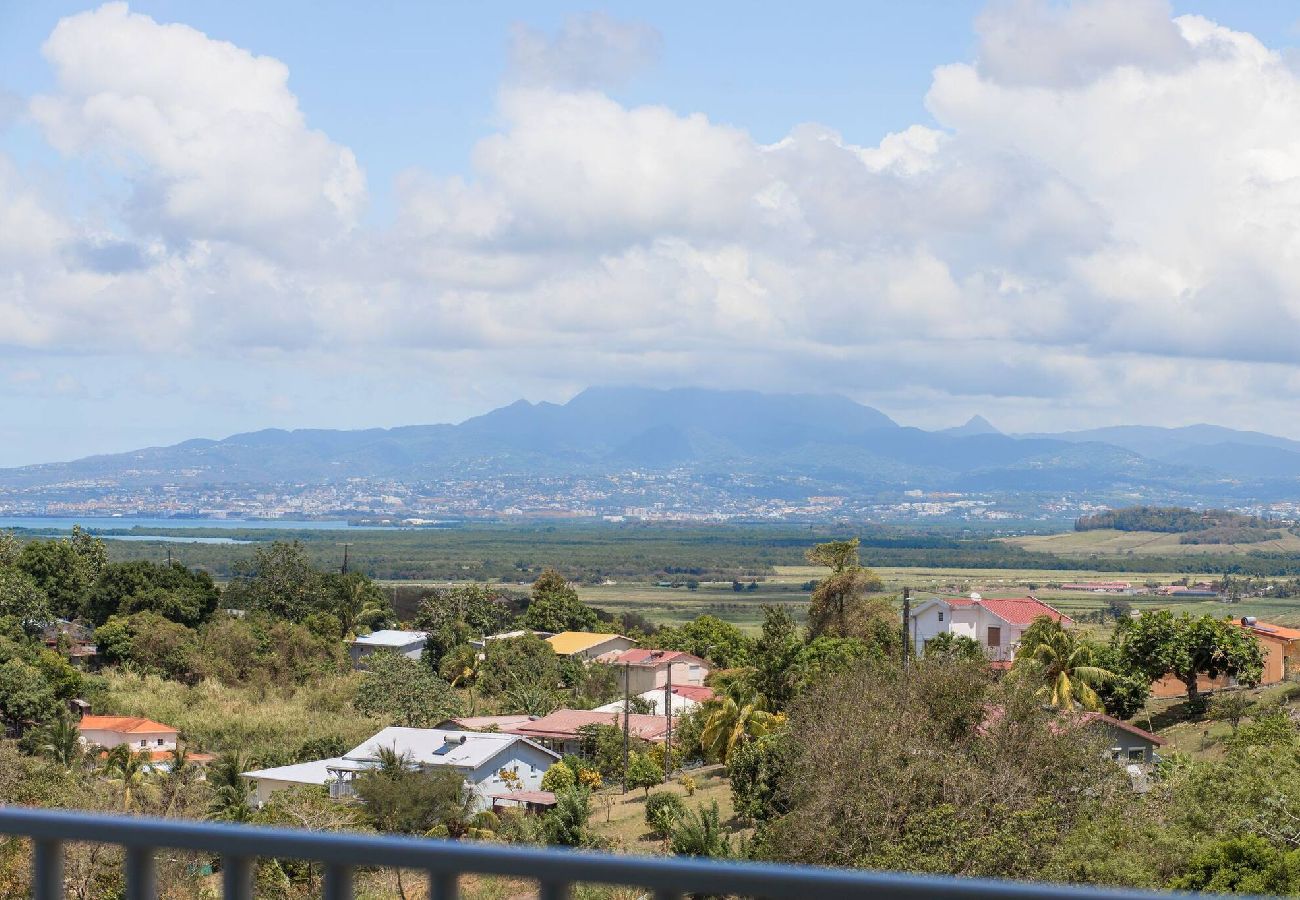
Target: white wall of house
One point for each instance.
(527, 761)
(152, 740)
(932, 619)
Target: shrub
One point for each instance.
(663, 810)
(558, 777)
(688, 784)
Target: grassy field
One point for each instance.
(1105, 542)
(620, 818)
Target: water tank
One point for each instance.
(975, 596)
(1248, 621)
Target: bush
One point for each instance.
(558, 777)
(663, 810)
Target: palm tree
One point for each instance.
(129, 769)
(530, 698)
(229, 801)
(180, 773)
(730, 723)
(1061, 666)
(699, 833)
(61, 743)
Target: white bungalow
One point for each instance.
(996, 623)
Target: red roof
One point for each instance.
(697, 692)
(1014, 610)
(539, 798)
(124, 725)
(563, 724)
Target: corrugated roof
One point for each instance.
(644, 656)
(314, 772)
(124, 725)
(566, 643)
(563, 724)
(1268, 629)
(1123, 726)
(390, 637)
(436, 746)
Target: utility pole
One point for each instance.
(907, 622)
(627, 721)
(668, 711)
(169, 556)
(344, 570)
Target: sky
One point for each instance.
(222, 217)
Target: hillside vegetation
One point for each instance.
(1211, 526)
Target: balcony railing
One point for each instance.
(444, 861)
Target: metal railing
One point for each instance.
(554, 870)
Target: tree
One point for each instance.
(699, 833)
(1059, 666)
(644, 772)
(149, 643)
(1158, 644)
(404, 692)
(663, 810)
(566, 823)
(355, 600)
(947, 645)
(59, 572)
(481, 609)
(838, 605)
(933, 754)
(23, 601)
(230, 790)
(1242, 865)
(729, 724)
(173, 591)
(558, 777)
(709, 638)
(282, 582)
(407, 800)
(1231, 708)
(129, 769)
(60, 742)
(527, 659)
(755, 772)
(25, 695)
(775, 656)
(555, 606)
(533, 698)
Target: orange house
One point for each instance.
(1281, 646)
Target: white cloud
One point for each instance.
(1109, 192)
(210, 134)
(591, 50)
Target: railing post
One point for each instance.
(140, 874)
(236, 878)
(47, 869)
(338, 882)
(442, 886)
(553, 890)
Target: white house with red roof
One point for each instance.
(996, 623)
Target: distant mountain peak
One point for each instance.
(976, 424)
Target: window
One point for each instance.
(995, 636)
(160, 742)
(144, 743)
(940, 615)
(1136, 754)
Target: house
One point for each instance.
(408, 643)
(995, 622)
(648, 669)
(137, 733)
(588, 644)
(1281, 646)
(561, 730)
(477, 757)
(72, 640)
(1127, 743)
(685, 698)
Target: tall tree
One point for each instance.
(1159, 644)
(404, 692)
(554, 606)
(1060, 667)
(731, 723)
(839, 606)
(282, 582)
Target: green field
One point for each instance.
(1107, 542)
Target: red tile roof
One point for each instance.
(1017, 610)
(124, 725)
(563, 724)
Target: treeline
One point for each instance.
(1168, 519)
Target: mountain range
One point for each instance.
(824, 439)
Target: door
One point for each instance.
(995, 636)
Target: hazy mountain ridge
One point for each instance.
(826, 438)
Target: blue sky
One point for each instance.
(448, 206)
